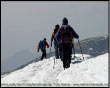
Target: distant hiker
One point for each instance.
(42, 46)
(64, 36)
(55, 42)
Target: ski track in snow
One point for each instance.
(91, 70)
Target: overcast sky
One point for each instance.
(25, 23)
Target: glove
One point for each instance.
(47, 46)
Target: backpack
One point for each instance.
(55, 31)
(42, 45)
(65, 34)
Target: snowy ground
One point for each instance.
(90, 72)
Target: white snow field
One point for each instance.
(90, 72)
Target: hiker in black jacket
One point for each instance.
(64, 36)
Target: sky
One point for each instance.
(25, 23)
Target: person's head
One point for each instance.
(57, 26)
(65, 21)
(44, 39)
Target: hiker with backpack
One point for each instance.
(55, 42)
(42, 46)
(64, 37)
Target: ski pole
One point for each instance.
(73, 48)
(80, 49)
(50, 49)
(54, 57)
(54, 63)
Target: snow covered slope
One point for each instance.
(90, 72)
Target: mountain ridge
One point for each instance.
(87, 46)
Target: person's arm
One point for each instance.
(75, 35)
(52, 38)
(38, 48)
(47, 45)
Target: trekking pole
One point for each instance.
(80, 49)
(54, 57)
(50, 49)
(73, 48)
(54, 63)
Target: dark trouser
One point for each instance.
(56, 52)
(56, 49)
(43, 54)
(65, 51)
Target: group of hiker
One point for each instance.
(62, 36)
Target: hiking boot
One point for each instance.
(68, 65)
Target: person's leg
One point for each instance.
(42, 55)
(45, 53)
(61, 51)
(69, 52)
(57, 50)
(65, 53)
(64, 56)
(55, 47)
(65, 62)
(56, 53)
